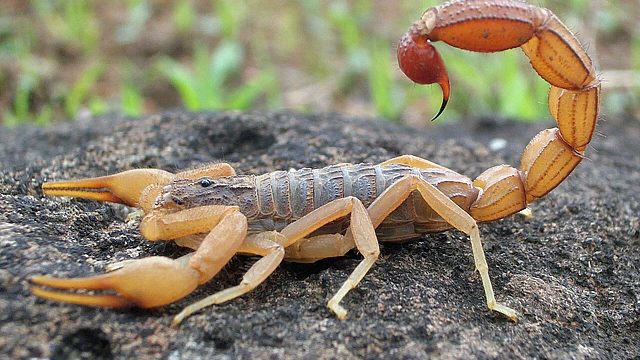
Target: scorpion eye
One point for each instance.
(205, 182)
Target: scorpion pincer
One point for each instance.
(310, 214)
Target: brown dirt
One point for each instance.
(572, 271)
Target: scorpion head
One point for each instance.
(189, 193)
(185, 193)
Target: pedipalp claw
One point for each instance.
(109, 301)
(124, 188)
(146, 283)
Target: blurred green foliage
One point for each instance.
(69, 58)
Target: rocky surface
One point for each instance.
(572, 271)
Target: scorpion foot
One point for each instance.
(504, 310)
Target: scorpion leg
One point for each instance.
(364, 236)
(319, 247)
(413, 161)
(158, 225)
(268, 245)
(157, 280)
(398, 192)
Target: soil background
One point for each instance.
(572, 271)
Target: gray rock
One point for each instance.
(572, 271)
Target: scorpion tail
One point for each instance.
(422, 63)
(555, 54)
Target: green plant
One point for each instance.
(209, 84)
(60, 57)
(72, 21)
(132, 102)
(80, 91)
(20, 112)
(385, 93)
(184, 16)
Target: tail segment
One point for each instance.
(555, 54)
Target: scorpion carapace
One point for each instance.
(310, 214)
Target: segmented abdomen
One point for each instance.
(285, 196)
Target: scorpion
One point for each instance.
(311, 214)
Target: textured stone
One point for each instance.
(572, 271)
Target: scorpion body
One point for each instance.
(310, 214)
(274, 200)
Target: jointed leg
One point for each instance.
(311, 249)
(364, 237)
(319, 247)
(264, 244)
(413, 161)
(158, 225)
(192, 242)
(450, 212)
